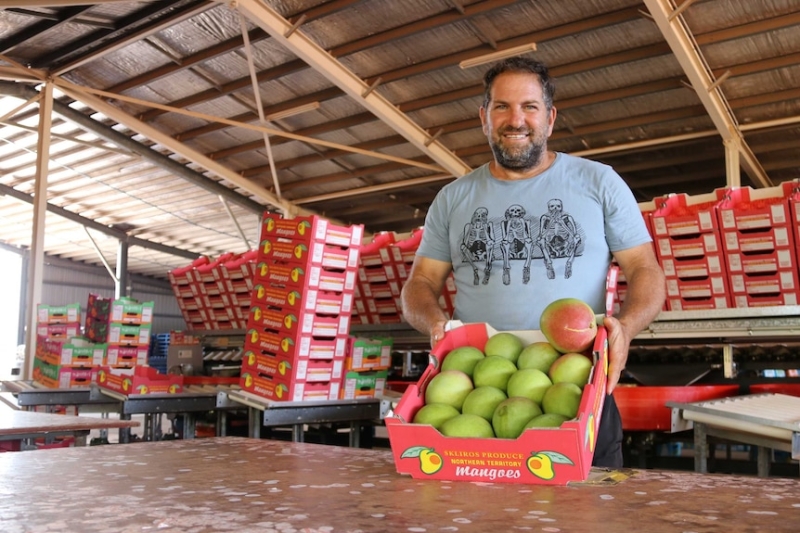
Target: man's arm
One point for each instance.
(420, 297)
(644, 299)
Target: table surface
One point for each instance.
(28, 422)
(246, 485)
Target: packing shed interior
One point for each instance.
(174, 125)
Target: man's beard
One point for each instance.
(518, 157)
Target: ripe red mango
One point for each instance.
(569, 324)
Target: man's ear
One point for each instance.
(482, 114)
(551, 121)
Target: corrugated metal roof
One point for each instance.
(623, 96)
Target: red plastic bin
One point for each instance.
(791, 389)
(644, 408)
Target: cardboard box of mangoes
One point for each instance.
(554, 455)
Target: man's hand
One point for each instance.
(618, 344)
(437, 333)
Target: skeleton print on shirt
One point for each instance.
(517, 237)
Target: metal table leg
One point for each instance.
(700, 448)
(254, 422)
(297, 433)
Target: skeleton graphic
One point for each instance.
(558, 237)
(517, 242)
(477, 243)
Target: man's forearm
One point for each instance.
(644, 299)
(421, 307)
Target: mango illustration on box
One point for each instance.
(296, 273)
(269, 223)
(142, 389)
(256, 313)
(288, 320)
(302, 226)
(540, 464)
(173, 388)
(280, 390)
(300, 250)
(283, 367)
(430, 461)
(266, 247)
(101, 377)
(286, 344)
(126, 384)
(248, 379)
(293, 296)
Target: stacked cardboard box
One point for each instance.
(301, 304)
(689, 247)
(124, 324)
(63, 359)
(385, 266)
(58, 322)
(378, 289)
(368, 361)
(760, 246)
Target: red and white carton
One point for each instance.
(295, 345)
(681, 214)
(746, 209)
(307, 254)
(310, 229)
(293, 322)
(569, 448)
(297, 391)
(709, 293)
(288, 370)
(766, 299)
(375, 253)
(313, 300)
(313, 276)
(138, 380)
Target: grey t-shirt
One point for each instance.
(516, 246)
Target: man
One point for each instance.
(551, 221)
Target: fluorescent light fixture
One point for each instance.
(497, 56)
(293, 111)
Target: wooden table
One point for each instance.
(27, 425)
(240, 484)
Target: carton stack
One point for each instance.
(124, 324)
(689, 247)
(760, 246)
(378, 290)
(182, 280)
(237, 282)
(215, 294)
(58, 322)
(301, 304)
(368, 361)
(63, 359)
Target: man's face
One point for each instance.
(517, 122)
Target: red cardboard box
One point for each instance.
(302, 299)
(307, 323)
(288, 370)
(374, 253)
(307, 254)
(138, 380)
(295, 345)
(680, 215)
(746, 209)
(310, 229)
(305, 277)
(570, 447)
(297, 391)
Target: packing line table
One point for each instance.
(25, 426)
(223, 484)
(188, 404)
(297, 415)
(767, 421)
